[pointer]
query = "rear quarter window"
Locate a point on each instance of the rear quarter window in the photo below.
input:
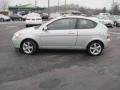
(86, 24)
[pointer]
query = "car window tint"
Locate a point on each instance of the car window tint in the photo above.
(86, 24)
(62, 24)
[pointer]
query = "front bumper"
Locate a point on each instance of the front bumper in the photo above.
(16, 42)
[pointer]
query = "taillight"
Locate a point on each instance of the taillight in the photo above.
(108, 35)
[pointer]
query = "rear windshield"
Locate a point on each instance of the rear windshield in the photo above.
(33, 15)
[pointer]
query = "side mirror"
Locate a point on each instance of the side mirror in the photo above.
(45, 28)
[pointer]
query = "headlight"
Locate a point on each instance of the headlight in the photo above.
(17, 35)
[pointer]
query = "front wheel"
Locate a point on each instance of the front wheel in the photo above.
(29, 47)
(95, 48)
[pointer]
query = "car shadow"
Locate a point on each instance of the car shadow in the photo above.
(55, 51)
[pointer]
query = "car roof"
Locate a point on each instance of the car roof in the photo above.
(76, 16)
(33, 14)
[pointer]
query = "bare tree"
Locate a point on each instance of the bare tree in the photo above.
(3, 4)
(115, 9)
(104, 10)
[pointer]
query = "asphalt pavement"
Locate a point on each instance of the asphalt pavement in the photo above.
(57, 69)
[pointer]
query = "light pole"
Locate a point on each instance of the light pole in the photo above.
(48, 7)
(113, 7)
(113, 2)
(58, 6)
(65, 5)
(35, 3)
(35, 6)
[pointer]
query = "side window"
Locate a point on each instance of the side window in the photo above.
(86, 24)
(63, 24)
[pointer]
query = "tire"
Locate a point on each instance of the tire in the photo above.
(95, 48)
(115, 23)
(27, 25)
(1, 20)
(112, 26)
(29, 47)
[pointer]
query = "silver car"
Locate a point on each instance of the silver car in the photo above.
(66, 32)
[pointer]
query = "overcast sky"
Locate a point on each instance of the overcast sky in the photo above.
(85, 3)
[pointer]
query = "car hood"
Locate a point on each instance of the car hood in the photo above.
(29, 31)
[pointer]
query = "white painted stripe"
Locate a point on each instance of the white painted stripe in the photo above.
(118, 37)
(115, 33)
(11, 26)
(12, 22)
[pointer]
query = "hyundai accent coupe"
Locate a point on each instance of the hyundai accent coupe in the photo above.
(65, 32)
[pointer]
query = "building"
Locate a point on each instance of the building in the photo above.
(25, 9)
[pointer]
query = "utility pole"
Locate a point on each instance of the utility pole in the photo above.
(48, 7)
(113, 7)
(65, 6)
(35, 3)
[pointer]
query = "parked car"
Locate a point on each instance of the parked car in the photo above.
(45, 16)
(54, 15)
(72, 12)
(4, 18)
(70, 32)
(116, 20)
(16, 17)
(24, 17)
(106, 20)
(33, 19)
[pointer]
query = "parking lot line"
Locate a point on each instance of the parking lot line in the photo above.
(118, 37)
(11, 22)
(115, 33)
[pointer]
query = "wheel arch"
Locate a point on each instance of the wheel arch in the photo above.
(96, 41)
(31, 40)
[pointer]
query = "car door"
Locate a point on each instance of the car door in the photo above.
(60, 34)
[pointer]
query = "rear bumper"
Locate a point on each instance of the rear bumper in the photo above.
(106, 43)
(33, 22)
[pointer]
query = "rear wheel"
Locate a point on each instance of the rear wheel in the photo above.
(29, 47)
(95, 48)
